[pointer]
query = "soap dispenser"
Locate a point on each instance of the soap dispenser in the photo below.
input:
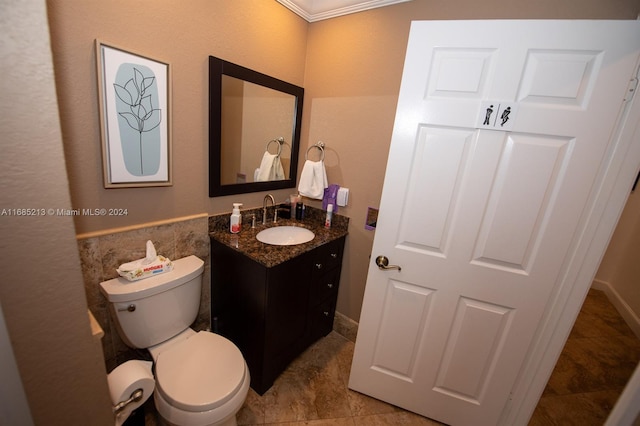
(235, 223)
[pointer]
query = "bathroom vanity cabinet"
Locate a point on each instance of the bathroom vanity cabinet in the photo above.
(273, 313)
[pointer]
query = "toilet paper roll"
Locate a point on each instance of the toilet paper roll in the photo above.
(124, 380)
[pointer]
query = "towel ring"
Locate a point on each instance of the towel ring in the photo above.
(320, 146)
(279, 141)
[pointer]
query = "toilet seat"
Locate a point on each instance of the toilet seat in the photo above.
(201, 373)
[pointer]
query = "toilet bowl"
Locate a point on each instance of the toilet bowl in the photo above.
(202, 380)
(201, 377)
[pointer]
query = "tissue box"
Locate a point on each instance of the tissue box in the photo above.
(159, 266)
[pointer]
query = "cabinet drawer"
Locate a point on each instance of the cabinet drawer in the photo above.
(328, 256)
(326, 285)
(322, 319)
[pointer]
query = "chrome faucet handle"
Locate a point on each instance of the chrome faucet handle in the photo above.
(253, 221)
(264, 207)
(275, 215)
(268, 197)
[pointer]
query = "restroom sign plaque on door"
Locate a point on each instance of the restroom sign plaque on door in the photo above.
(497, 115)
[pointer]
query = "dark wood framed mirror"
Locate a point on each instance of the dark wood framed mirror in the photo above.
(254, 130)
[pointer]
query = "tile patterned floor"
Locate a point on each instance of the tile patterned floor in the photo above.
(599, 357)
(313, 391)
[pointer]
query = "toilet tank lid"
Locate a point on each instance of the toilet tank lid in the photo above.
(121, 290)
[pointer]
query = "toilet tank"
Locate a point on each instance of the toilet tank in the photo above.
(154, 309)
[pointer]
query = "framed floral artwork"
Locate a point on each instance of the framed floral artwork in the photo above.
(134, 93)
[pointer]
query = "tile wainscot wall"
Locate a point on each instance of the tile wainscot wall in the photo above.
(102, 252)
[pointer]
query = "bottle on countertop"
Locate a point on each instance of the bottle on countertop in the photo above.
(327, 221)
(235, 223)
(299, 210)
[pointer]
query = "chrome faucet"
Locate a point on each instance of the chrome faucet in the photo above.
(264, 207)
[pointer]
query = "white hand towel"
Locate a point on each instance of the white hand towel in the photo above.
(270, 168)
(265, 167)
(277, 170)
(313, 180)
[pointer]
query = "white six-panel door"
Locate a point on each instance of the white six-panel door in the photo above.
(500, 137)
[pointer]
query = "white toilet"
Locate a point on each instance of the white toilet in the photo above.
(201, 377)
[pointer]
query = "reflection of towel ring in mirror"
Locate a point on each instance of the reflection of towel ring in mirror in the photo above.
(279, 141)
(320, 146)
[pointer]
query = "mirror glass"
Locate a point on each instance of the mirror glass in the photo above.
(254, 130)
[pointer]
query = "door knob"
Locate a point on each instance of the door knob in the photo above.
(383, 264)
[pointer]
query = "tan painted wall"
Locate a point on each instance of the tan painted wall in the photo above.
(353, 73)
(42, 293)
(258, 34)
(350, 67)
(353, 68)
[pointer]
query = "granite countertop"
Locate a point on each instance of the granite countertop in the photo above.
(269, 255)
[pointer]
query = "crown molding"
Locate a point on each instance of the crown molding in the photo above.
(311, 11)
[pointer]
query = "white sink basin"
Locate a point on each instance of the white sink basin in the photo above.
(285, 235)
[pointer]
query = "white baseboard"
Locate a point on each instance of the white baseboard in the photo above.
(621, 306)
